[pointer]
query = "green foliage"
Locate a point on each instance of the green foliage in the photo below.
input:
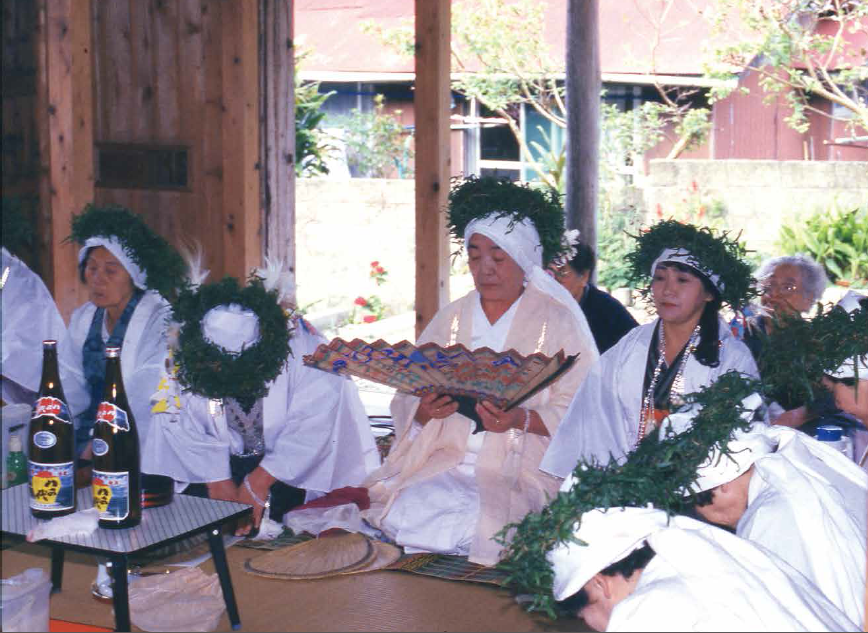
(835, 238)
(697, 206)
(799, 352)
(551, 164)
(376, 143)
(614, 242)
(163, 265)
(715, 250)
(658, 472)
(474, 197)
(310, 144)
(207, 369)
(18, 217)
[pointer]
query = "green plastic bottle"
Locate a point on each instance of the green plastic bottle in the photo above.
(16, 463)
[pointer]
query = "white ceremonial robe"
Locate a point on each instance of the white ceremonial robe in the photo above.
(808, 504)
(316, 433)
(706, 579)
(29, 316)
(603, 418)
(142, 353)
(432, 465)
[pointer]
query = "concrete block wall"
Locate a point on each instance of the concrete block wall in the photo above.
(760, 195)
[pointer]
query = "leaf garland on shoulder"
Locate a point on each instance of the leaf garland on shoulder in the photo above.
(656, 472)
(475, 197)
(207, 369)
(164, 266)
(798, 353)
(716, 251)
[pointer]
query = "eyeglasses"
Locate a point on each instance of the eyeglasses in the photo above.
(772, 287)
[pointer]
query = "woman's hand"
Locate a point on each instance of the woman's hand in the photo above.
(497, 420)
(793, 418)
(224, 489)
(254, 491)
(436, 406)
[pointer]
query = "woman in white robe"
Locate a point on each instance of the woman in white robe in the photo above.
(444, 488)
(29, 316)
(653, 366)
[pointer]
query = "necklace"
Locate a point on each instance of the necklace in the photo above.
(677, 383)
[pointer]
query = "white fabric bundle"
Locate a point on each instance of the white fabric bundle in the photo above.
(231, 327)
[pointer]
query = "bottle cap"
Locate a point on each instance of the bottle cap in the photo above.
(829, 433)
(112, 352)
(14, 443)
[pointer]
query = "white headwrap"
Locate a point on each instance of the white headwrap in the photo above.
(231, 327)
(611, 535)
(745, 447)
(850, 302)
(521, 241)
(683, 256)
(113, 245)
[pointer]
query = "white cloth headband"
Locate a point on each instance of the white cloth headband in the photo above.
(745, 447)
(682, 256)
(521, 242)
(611, 535)
(231, 327)
(114, 246)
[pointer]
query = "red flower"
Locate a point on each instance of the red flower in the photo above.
(380, 270)
(374, 264)
(370, 318)
(701, 211)
(659, 211)
(693, 185)
(361, 301)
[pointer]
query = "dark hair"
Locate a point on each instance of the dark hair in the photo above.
(708, 350)
(584, 259)
(83, 264)
(704, 498)
(626, 567)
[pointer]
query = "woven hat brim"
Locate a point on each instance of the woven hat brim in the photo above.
(317, 558)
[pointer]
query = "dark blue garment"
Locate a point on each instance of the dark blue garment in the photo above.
(93, 361)
(609, 320)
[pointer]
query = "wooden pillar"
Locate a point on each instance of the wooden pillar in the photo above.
(583, 117)
(431, 105)
(278, 129)
(64, 110)
(242, 220)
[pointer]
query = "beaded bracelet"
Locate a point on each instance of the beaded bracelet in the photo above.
(265, 504)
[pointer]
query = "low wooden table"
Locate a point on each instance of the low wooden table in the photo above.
(184, 517)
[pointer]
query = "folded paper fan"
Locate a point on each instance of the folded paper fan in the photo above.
(505, 378)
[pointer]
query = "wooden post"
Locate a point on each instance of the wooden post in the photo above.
(242, 221)
(431, 104)
(65, 121)
(583, 117)
(278, 129)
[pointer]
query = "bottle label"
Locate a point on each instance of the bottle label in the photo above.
(52, 486)
(44, 439)
(111, 494)
(112, 415)
(100, 447)
(54, 407)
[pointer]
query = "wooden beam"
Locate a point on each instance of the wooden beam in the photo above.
(65, 122)
(431, 105)
(277, 87)
(242, 222)
(583, 117)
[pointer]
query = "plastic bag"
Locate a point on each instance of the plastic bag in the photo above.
(185, 600)
(25, 601)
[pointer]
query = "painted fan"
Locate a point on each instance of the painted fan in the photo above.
(505, 378)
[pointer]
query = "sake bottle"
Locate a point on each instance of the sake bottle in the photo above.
(117, 478)
(51, 445)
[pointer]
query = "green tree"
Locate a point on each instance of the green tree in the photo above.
(311, 144)
(377, 144)
(802, 49)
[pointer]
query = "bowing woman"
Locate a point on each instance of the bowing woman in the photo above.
(127, 270)
(639, 380)
(444, 487)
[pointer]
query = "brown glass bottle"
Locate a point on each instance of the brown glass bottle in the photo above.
(117, 475)
(51, 445)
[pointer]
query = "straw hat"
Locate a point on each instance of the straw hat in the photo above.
(317, 558)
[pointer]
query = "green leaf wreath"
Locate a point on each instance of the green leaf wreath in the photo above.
(656, 472)
(475, 197)
(163, 265)
(207, 369)
(716, 251)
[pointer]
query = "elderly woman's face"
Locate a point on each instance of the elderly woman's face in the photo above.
(495, 274)
(783, 292)
(109, 285)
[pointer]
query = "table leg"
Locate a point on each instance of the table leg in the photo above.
(219, 554)
(56, 568)
(120, 591)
